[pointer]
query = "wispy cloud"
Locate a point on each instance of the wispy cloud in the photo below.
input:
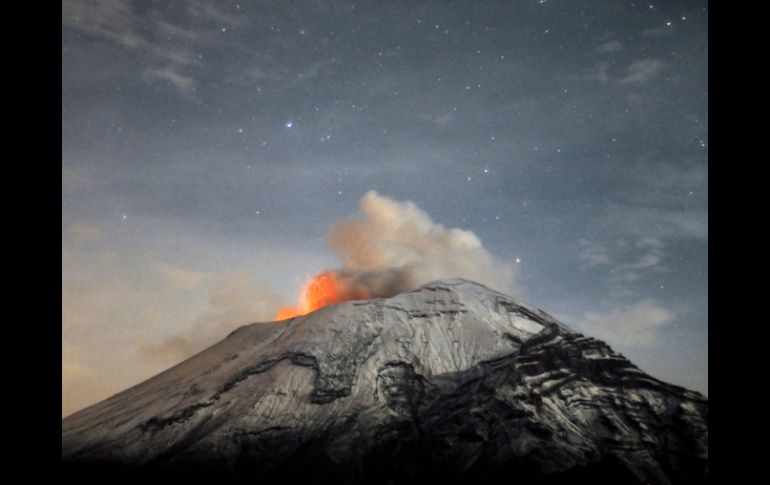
(178, 277)
(113, 20)
(599, 73)
(207, 11)
(440, 119)
(73, 370)
(641, 71)
(643, 258)
(658, 32)
(625, 263)
(610, 47)
(314, 69)
(659, 222)
(74, 178)
(234, 300)
(636, 73)
(636, 324)
(171, 47)
(116, 306)
(172, 76)
(669, 202)
(630, 249)
(263, 70)
(592, 255)
(81, 233)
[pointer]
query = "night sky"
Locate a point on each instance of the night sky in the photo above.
(207, 147)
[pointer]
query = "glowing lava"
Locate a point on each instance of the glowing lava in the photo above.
(324, 289)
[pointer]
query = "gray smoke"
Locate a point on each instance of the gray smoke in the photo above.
(395, 247)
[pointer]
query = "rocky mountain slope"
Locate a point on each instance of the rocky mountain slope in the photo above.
(452, 381)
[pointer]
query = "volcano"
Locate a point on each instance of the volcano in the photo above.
(452, 382)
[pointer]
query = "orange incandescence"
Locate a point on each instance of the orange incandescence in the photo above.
(324, 289)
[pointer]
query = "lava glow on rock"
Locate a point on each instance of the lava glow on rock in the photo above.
(324, 289)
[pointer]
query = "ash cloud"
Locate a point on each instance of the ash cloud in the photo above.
(395, 247)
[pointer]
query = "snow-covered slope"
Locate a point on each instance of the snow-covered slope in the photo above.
(447, 380)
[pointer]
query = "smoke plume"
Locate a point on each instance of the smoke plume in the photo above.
(395, 247)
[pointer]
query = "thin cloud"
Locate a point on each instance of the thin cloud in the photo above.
(210, 12)
(82, 233)
(636, 324)
(75, 178)
(641, 71)
(233, 301)
(172, 76)
(592, 255)
(667, 203)
(171, 46)
(178, 277)
(662, 223)
(657, 32)
(441, 119)
(610, 47)
(170, 30)
(115, 307)
(109, 20)
(72, 369)
(625, 263)
(601, 73)
(638, 72)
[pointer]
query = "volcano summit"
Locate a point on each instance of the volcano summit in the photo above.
(452, 382)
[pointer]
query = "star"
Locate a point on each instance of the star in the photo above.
(289, 124)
